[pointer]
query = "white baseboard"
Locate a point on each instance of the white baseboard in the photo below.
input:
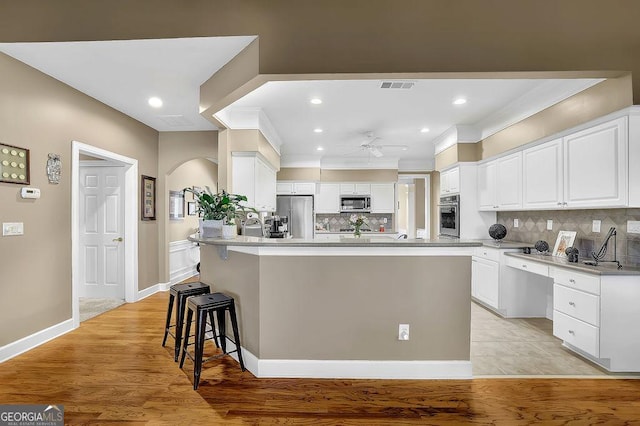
(352, 369)
(26, 343)
(153, 290)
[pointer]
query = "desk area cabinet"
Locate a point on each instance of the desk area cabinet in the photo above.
(595, 310)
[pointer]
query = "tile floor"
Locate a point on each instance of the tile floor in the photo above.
(502, 346)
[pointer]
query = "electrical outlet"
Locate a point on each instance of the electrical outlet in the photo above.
(633, 227)
(516, 223)
(550, 225)
(403, 332)
(595, 226)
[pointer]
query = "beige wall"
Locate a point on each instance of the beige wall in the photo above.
(606, 97)
(299, 174)
(44, 115)
(199, 172)
(382, 175)
(175, 149)
(420, 200)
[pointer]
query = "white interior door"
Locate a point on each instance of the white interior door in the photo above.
(101, 232)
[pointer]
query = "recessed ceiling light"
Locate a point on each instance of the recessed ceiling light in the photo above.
(460, 101)
(318, 130)
(319, 148)
(424, 130)
(155, 102)
(316, 101)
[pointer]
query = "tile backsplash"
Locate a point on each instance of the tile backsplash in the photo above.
(335, 222)
(533, 227)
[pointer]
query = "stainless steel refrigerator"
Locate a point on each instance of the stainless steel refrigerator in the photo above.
(299, 210)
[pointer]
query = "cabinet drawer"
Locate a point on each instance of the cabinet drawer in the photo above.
(525, 265)
(487, 253)
(577, 280)
(577, 333)
(578, 304)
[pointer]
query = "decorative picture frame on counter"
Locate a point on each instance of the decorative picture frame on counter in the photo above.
(14, 164)
(148, 199)
(565, 239)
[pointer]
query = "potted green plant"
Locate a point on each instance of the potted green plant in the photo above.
(218, 212)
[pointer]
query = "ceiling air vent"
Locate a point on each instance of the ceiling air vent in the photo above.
(397, 85)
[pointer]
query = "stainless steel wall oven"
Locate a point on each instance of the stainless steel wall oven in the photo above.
(449, 212)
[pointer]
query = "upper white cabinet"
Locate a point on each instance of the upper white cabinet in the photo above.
(383, 198)
(595, 166)
(582, 170)
(327, 200)
(355, 189)
(500, 183)
(542, 179)
(256, 179)
(450, 181)
(296, 188)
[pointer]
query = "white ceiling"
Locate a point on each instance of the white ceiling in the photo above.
(124, 74)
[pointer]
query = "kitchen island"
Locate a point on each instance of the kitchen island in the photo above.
(332, 308)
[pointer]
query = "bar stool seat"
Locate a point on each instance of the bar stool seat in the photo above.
(181, 292)
(203, 306)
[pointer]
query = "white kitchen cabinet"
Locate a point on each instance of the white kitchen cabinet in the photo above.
(254, 178)
(295, 188)
(450, 181)
(595, 166)
(383, 198)
(355, 189)
(509, 292)
(500, 183)
(327, 199)
(542, 176)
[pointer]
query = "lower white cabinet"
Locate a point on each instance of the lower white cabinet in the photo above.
(507, 291)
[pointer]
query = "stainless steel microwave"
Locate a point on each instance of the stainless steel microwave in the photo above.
(355, 204)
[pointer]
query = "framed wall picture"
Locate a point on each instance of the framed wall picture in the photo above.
(192, 208)
(565, 239)
(176, 205)
(148, 201)
(14, 164)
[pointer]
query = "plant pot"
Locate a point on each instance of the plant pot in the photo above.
(229, 231)
(210, 228)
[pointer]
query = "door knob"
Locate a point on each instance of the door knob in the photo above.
(119, 240)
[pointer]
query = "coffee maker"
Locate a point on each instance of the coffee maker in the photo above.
(279, 227)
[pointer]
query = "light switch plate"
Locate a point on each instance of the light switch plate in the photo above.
(12, 228)
(595, 227)
(633, 227)
(516, 223)
(550, 225)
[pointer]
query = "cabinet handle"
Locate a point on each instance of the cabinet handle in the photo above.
(559, 203)
(571, 280)
(524, 266)
(565, 203)
(572, 304)
(572, 332)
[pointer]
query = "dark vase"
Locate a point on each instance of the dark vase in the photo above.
(497, 231)
(542, 246)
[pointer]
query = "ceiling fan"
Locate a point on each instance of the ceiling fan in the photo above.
(376, 149)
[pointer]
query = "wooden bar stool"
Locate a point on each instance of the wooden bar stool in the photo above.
(181, 292)
(204, 306)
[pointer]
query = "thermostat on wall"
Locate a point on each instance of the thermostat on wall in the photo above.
(30, 193)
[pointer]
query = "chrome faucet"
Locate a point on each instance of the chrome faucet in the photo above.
(402, 237)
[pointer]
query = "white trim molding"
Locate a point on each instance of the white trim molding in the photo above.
(184, 256)
(25, 344)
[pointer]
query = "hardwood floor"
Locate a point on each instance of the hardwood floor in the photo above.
(113, 369)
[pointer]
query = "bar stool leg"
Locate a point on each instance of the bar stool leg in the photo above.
(168, 323)
(181, 307)
(213, 329)
(236, 334)
(222, 329)
(186, 336)
(201, 322)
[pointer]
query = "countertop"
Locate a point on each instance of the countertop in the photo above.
(317, 231)
(342, 242)
(505, 244)
(606, 268)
